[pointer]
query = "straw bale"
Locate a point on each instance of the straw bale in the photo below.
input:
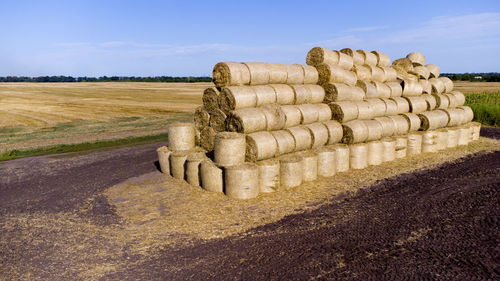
(402, 126)
(402, 104)
(388, 125)
(390, 74)
(401, 146)
(468, 114)
(163, 159)
(431, 101)
(309, 113)
(326, 162)
(344, 111)
(295, 74)
(357, 58)
(260, 146)
(201, 117)
(414, 143)
(377, 107)
(293, 115)
(269, 175)
(324, 112)
(181, 136)
(230, 74)
(382, 59)
(309, 166)
(421, 72)
(277, 73)
(242, 181)
(377, 73)
(456, 116)
(391, 108)
(302, 94)
(229, 149)
(192, 166)
(329, 73)
(246, 120)
(265, 94)
(319, 133)
(178, 161)
(368, 88)
(310, 74)
(354, 132)
(362, 72)
(442, 101)
(437, 86)
(284, 141)
(476, 126)
(302, 136)
(317, 93)
(236, 97)
(375, 153)
(463, 135)
(448, 84)
(402, 65)
(453, 100)
(383, 90)
(290, 171)
(411, 88)
(345, 61)
(453, 135)
(259, 73)
(459, 97)
(365, 110)
(207, 136)
(374, 130)
(358, 156)
(369, 58)
(434, 70)
(413, 121)
(284, 93)
(417, 104)
(319, 55)
(210, 99)
(442, 139)
(343, 92)
(416, 58)
(389, 149)
(334, 131)
(275, 117)
(218, 120)
(431, 120)
(211, 176)
(426, 86)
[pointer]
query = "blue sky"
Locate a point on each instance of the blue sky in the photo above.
(186, 38)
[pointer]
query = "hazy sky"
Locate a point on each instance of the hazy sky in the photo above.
(183, 38)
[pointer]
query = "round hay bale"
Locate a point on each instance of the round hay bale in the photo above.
(269, 175)
(290, 171)
(402, 126)
(455, 116)
(468, 114)
(476, 127)
(402, 104)
(284, 93)
(181, 136)
(310, 74)
(236, 97)
(390, 74)
(413, 121)
(207, 138)
(295, 74)
(416, 58)
(326, 162)
(229, 149)
(302, 136)
(230, 74)
(417, 104)
(357, 58)
(317, 93)
(319, 134)
(377, 73)
(259, 73)
(368, 88)
(260, 146)
(382, 59)
(421, 72)
(437, 86)
(442, 139)
(242, 181)
(431, 120)
(163, 159)
(401, 146)
(193, 162)
(277, 73)
(341, 157)
(442, 101)
(319, 55)
(377, 107)
(365, 110)
(210, 99)
(284, 141)
(389, 149)
(463, 136)
(342, 92)
(396, 89)
(384, 91)
(459, 96)
(453, 135)
(434, 70)
(429, 141)
(358, 156)
(448, 84)
(426, 86)
(201, 117)
(344, 111)
(375, 153)
(218, 120)
(431, 101)
(354, 131)
(345, 61)
(275, 117)
(178, 161)
(246, 120)
(402, 66)
(411, 88)
(293, 116)
(374, 130)
(302, 94)
(324, 112)
(414, 143)
(391, 108)
(265, 94)
(334, 131)
(309, 166)
(211, 176)
(309, 113)
(453, 101)
(362, 72)
(388, 125)
(369, 58)
(329, 73)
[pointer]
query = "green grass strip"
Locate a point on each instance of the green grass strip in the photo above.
(63, 148)
(486, 107)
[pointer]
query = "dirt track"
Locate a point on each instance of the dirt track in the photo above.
(435, 224)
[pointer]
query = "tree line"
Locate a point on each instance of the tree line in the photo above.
(474, 77)
(62, 78)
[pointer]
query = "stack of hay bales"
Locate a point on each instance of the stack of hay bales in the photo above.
(266, 127)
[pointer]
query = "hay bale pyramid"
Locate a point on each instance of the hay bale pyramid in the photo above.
(267, 127)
